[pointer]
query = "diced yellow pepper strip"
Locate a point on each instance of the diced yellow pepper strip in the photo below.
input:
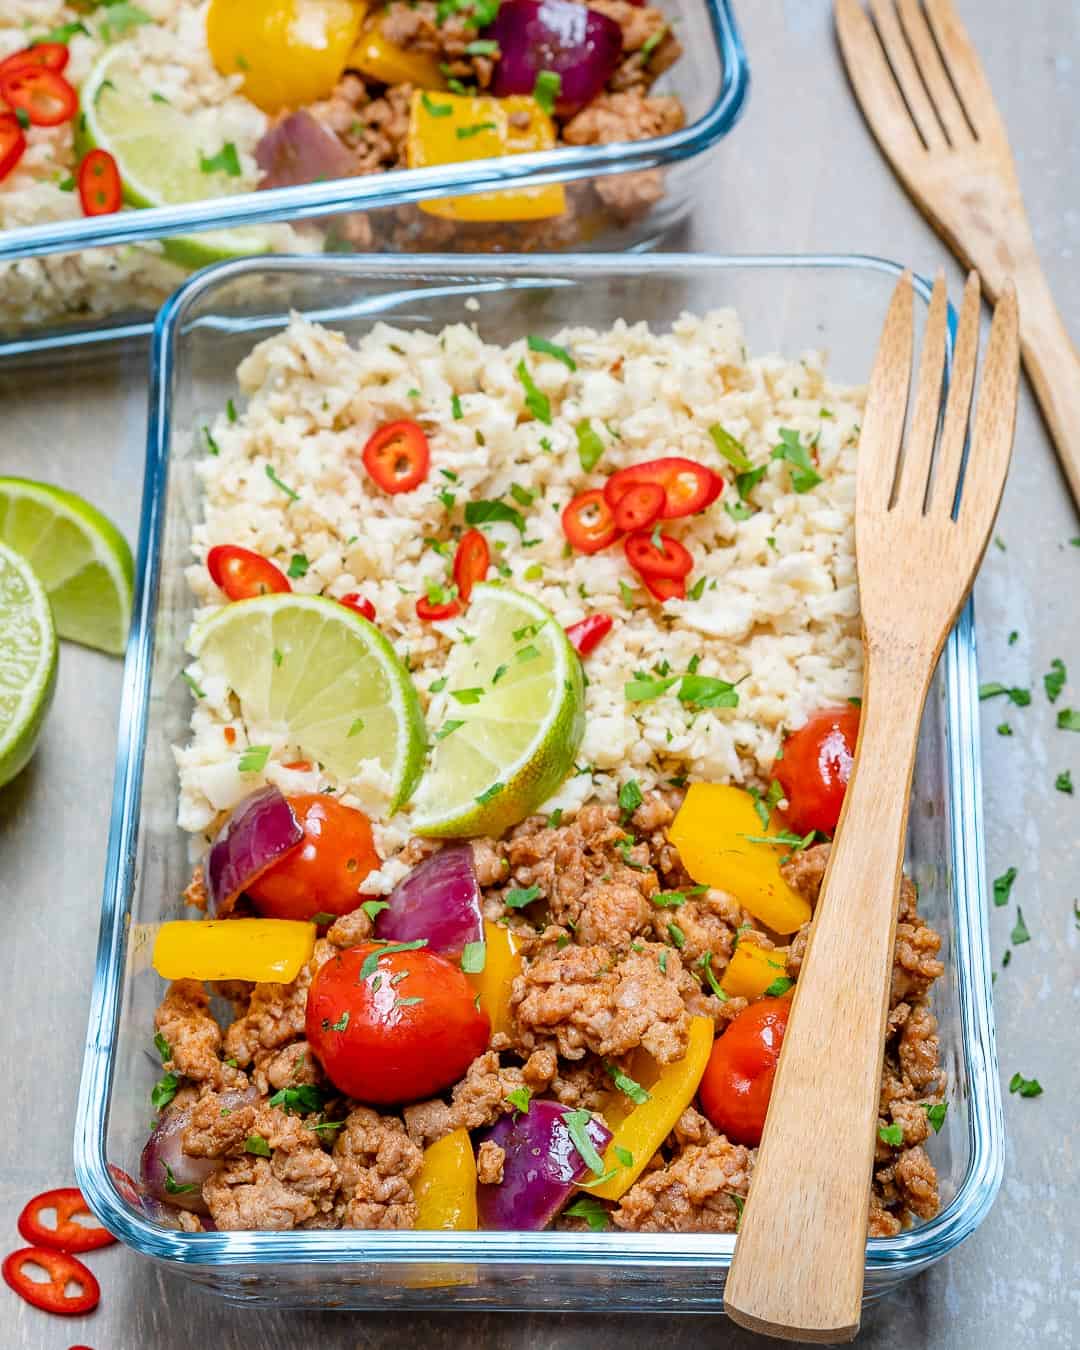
(388, 63)
(501, 963)
(445, 1190)
(753, 970)
(268, 951)
(711, 833)
(642, 1131)
(452, 128)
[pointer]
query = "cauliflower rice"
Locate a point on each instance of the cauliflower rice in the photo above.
(775, 606)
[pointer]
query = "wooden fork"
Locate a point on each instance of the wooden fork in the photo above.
(922, 89)
(798, 1266)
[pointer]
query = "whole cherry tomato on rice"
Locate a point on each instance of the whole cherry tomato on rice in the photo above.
(320, 875)
(738, 1078)
(394, 1022)
(242, 574)
(815, 768)
(688, 486)
(665, 557)
(42, 94)
(397, 456)
(12, 143)
(639, 506)
(471, 563)
(100, 190)
(359, 604)
(587, 634)
(589, 522)
(50, 55)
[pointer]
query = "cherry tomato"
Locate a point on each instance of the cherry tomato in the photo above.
(587, 634)
(242, 574)
(668, 559)
(738, 1078)
(65, 1234)
(815, 768)
(666, 588)
(100, 190)
(688, 486)
(321, 874)
(471, 563)
(431, 611)
(12, 143)
(50, 55)
(51, 1295)
(398, 456)
(360, 604)
(390, 1024)
(639, 506)
(589, 523)
(43, 94)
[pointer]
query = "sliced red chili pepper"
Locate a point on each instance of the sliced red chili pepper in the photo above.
(666, 588)
(471, 563)
(12, 143)
(639, 506)
(588, 522)
(65, 1235)
(398, 456)
(587, 634)
(300, 765)
(51, 1295)
(360, 604)
(242, 574)
(664, 558)
(50, 55)
(100, 189)
(688, 486)
(431, 612)
(43, 94)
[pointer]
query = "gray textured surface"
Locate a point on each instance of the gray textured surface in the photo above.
(800, 173)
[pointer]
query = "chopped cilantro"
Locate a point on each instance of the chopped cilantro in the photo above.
(163, 1091)
(519, 1099)
(518, 898)
(490, 512)
(303, 1100)
(698, 588)
(193, 684)
(299, 565)
(1020, 697)
(630, 798)
(226, 161)
(1014, 637)
(1019, 934)
(590, 447)
(434, 109)
(489, 794)
(1068, 719)
(732, 450)
(577, 1123)
(482, 47)
(779, 986)
(174, 1187)
(372, 908)
(371, 961)
(455, 408)
(643, 688)
(161, 1045)
(521, 495)
(803, 474)
(356, 728)
(546, 348)
(448, 728)
(1027, 1087)
(555, 819)
(1063, 782)
(340, 1025)
(1054, 679)
(1004, 729)
(677, 936)
(253, 759)
(292, 496)
(652, 42)
(230, 410)
(706, 692)
(626, 1084)
(1003, 886)
(935, 1114)
(705, 962)
(464, 133)
(474, 957)
(547, 89)
(211, 444)
(590, 1209)
(256, 1144)
(892, 1135)
(536, 402)
(473, 695)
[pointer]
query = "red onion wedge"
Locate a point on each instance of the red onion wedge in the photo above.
(580, 45)
(542, 1165)
(299, 149)
(167, 1172)
(260, 831)
(438, 900)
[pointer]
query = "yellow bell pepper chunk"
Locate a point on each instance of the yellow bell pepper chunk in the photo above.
(452, 128)
(388, 63)
(642, 1130)
(502, 962)
(268, 951)
(713, 833)
(753, 970)
(445, 1190)
(289, 52)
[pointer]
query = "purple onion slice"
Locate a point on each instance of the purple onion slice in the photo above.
(580, 45)
(438, 900)
(260, 831)
(299, 149)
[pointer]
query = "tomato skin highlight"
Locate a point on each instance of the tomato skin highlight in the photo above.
(359, 604)
(471, 563)
(388, 1048)
(100, 190)
(688, 486)
(242, 574)
(49, 1295)
(397, 456)
(321, 874)
(671, 561)
(589, 522)
(12, 143)
(639, 506)
(43, 94)
(587, 634)
(815, 768)
(738, 1079)
(43, 55)
(67, 1235)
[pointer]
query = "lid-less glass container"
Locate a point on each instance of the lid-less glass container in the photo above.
(787, 305)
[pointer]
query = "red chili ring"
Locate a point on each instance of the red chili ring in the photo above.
(471, 563)
(51, 1295)
(431, 613)
(587, 634)
(639, 506)
(589, 523)
(359, 604)
(66, 1235)
(397, 456)
(667, 558)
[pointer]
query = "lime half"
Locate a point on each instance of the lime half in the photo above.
(161, 153)
(311, 670)
(28, 655)
(80, 557)
(513, 719)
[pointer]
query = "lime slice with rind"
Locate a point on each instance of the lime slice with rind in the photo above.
(322, 678)
(160, 152)
(28, 660)
(515, 688)
(79, 556)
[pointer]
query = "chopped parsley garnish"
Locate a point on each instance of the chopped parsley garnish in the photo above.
(489, 794)
(590, 447)
(590, 1209)
(464, 133)
(536, 401)
(225, 161)
(1063, 782)
(304, 1100)
(677, 936)
(519, 1099)
(163, 1091)
(779, 986)
(519, 898)
(626, 1084)
(292, 496)
(1068, 719)
(935, 1114)
(542, 345)
(1003, 886)
(161, 1045)
(732, 450)
(1021, 697)
(490, 512)
(547, 89)
(1027, 1087)
(299, 565)
(254, 758)
(803, 474)
(892, 1135)
(1054, 679)
(474, 957)
(473, 695)
(434, 109)
(630, 798)
(340, 1025)
(372, 908)
(448, 728)
(256, 1144)
(1019, 934)
(193, 684)
(371, 961)
(174, 1187)
(577, 1123)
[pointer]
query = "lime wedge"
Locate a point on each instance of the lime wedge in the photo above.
(80, 557)
(514, 686)
(28, 654)
(160, 152)
(311, 670)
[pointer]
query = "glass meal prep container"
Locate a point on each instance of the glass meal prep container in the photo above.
(788, 304)
(53, 292)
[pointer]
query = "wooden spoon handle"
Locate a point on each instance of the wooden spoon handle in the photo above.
(1053, 364)
(799, 1260)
